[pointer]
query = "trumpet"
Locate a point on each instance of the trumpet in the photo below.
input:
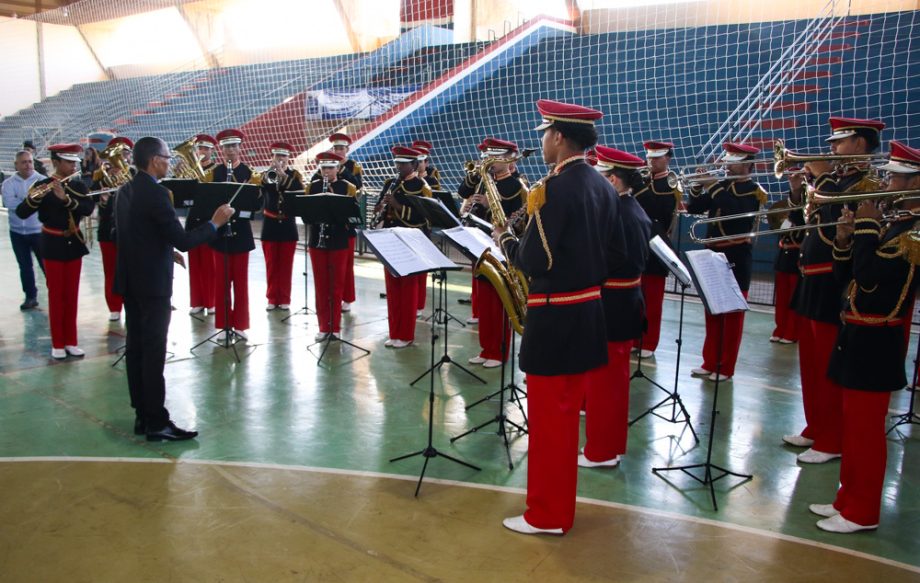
(37, 193)
(674, 181)
(783, 158)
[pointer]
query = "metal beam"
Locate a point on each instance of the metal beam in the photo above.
(105, 70)
(210, 57)
(40, 47)
(349, 29)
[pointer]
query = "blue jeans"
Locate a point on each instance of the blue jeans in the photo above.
(23, 247)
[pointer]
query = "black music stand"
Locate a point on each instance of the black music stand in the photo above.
(330, 209)
(183, 198)
(910, 417)
(288, 209)
(440, 215)
(245, 199)
(721, 295)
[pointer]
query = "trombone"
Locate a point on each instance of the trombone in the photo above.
(783, 158)
(695, 179)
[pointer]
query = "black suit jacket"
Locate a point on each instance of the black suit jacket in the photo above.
(148, 230)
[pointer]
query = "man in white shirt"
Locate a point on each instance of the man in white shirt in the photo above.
(24, 233)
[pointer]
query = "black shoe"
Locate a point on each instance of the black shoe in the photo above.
(29, 304)
(140, 428)
(171, 433)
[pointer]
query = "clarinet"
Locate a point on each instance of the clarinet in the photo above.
(321, 243)
(381, 215)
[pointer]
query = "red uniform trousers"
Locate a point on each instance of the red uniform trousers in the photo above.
(402, 302)
(279, 268)
(329, 276)
(786, 319)
(821, 397)
(491, 322)
(237, 270)
(422, 291)
(653, 292)
(865, 453)
(553, 404)
(731, 341)
(607, 406)
(348, 295)
(201, 277)
(63, 281)
(109, 250)
(474, 299)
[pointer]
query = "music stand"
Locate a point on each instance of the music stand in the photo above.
(183, 198)
(245, 199)
(721, 295)
(331, 209)
(910, 417)
(288, 209)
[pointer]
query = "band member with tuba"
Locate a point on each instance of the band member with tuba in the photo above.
(817, 297)
(350, 171)
(735, 194)
(61, 202)
(564, 346)
(279, 231)
(873, 256)
(329, 248)
(660, 197)
(402, 292)
(201, 275)
(607, 401)
(786, 266)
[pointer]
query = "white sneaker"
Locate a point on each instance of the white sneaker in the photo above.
(798, 440)
(74, 351)
(586, 463)
(241, 334)
(476, 360)
(786, 341)
(114, 316)
(813, 456)
(346, 307)
(825, 510)
(491, 363)
(389, 343)
(270, 307)
(284, 307)
(774, 338)
(518, 524)
(401, 343)
(320, 336)
(721, 377)
(472, 320)
(418, 313)
(58, 353)
(837, 523)
(646, 353)
(700, 372)
(196, 310)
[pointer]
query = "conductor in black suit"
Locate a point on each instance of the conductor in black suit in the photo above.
(148, 231)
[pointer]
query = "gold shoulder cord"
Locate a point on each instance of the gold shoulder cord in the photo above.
(549, 254)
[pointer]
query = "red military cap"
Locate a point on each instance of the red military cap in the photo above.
(424, 147)
(610, 158)
(340, 139)
(496, 147)
(282, 148)
(553, 111)
(735, 152)
(69, 152)
(205, 140)
(844, 127)
(655, 149)
(229, 137)
(404, 154)
(121, 140)
(902, 159)
(591, 157)
(329, 159)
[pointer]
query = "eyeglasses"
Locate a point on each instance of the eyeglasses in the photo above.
(167, 158)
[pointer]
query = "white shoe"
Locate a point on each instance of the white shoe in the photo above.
(476, 360)
(786, 341)
(389, 343)
(838, 523)
(774, 338)
(586, 463)
(114, 316)
(58, 353)
(721, 377)
(491, 363)
(320, 336)
(284, 307)
(700, 372)
(518, 524)
(418, 313)
(270, 307)
(825, 510)
(74, 351)
(472, 320)
(241, 334)
(798, 440)
(346, 307)
(401, 343)
(196, 310)
(210, 311)
(646, 353)
(813, 456)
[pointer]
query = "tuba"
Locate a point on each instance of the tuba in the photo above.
(188, 165)
(115, 171)
(509, 282)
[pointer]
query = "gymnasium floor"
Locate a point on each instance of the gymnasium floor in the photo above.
(290, 479)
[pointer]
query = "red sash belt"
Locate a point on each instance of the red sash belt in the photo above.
(622, 283)
(817, 269)
(56, 232)
(565, 298)
(273, 215)
(872, 320)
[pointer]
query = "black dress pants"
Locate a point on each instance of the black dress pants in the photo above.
(147, 322)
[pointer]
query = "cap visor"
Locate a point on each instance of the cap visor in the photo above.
(839, 136)
(734, 158)
(899, 168)
(543, 126)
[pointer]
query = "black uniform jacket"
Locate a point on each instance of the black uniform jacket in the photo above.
(787, 259)
(333, 236)
(276, 226)
(659, 202)
(61, 238)
(402, 189)
(148, 231)
(730, 197)
(105, 232)
(349, 170)
(624, 305)
(511, 189)
(235, 236)
(567, 248)
(870, 349)
(818, 295)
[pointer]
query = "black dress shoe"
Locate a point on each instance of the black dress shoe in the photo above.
(170, 433)
(140, 428)
(29, 304)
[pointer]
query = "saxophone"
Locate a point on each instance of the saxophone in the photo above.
(509, 282)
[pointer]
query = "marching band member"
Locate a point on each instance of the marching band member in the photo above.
(350, 171)
(735, 194)
(61, 202)
(426, 171)
(870, 254)
(402, 292)
(279, 231)
(201, 275)
(105, 234)
(607, 400)
(329, 248)
(817, 297)
(565, 343)
(786, 266)
(660, 201)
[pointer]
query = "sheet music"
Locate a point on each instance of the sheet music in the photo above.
(670, 259)
(398, 255)
(424, 248)
(474, 241)
(716, 282)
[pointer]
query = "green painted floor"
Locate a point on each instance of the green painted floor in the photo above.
(278, 406)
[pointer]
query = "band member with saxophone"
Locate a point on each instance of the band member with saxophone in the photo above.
(349, 171)
(564, 346)
(660, 198)
(607, 401)
(735, 194)
(201, 276)
(279, 231)
(872, 255)
(786, 267)
(329, 248)
(817, 297)
(61, 202)
(402, 292)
